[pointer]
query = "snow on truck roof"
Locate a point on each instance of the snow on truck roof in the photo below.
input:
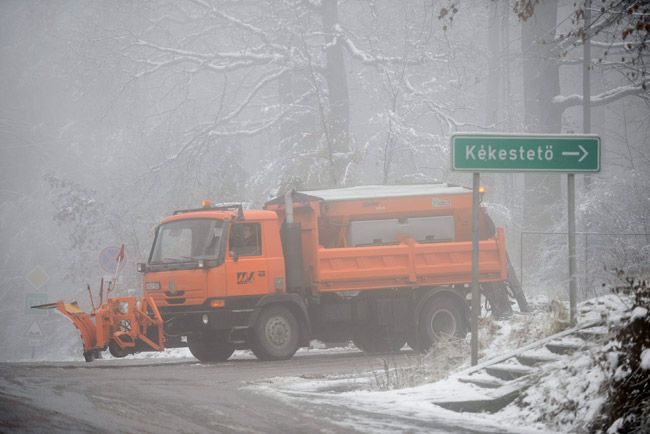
(384, 191)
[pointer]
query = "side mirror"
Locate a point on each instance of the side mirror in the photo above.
(234, 256)
(141, 267)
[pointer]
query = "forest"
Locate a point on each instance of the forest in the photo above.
(114, 114)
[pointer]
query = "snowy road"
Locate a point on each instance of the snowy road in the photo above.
(167, 395)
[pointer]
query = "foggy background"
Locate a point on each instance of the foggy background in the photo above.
(113, 114)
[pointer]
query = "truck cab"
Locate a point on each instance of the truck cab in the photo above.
(211, 271)
(202, 256)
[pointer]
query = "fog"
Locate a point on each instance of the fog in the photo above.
(114, 114)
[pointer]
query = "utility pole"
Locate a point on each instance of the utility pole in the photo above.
(586, 126)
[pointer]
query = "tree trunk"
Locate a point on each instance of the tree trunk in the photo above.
(541, 84)
(586, 81)
(493, 90)
(494, 56)
(338, 122)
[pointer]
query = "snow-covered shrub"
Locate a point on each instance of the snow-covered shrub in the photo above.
(447, 355)
(565, 398)
(627, 358)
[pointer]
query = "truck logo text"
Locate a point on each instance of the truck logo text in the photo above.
(244, 278)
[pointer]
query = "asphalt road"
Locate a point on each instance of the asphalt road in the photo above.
(185, 396)
(164, 395)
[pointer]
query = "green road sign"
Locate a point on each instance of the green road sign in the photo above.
(525, 153)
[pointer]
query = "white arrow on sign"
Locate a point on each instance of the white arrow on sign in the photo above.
(576, 153)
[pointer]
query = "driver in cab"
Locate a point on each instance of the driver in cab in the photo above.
(245, 240)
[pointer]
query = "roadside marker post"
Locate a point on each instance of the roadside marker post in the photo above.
(502, 152)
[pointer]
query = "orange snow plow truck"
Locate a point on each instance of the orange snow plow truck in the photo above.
(381, 265)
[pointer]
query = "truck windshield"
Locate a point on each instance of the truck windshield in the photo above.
(187, 241)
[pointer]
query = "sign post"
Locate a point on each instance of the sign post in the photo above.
(571, 217)
(564, 153)
(476, 292)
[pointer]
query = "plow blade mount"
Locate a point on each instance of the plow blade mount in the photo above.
(123, 325)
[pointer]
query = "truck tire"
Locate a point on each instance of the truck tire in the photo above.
(210, 347)
(374, 340)
(91, 355)
(441, 316)
(116, 351)
(276, 335)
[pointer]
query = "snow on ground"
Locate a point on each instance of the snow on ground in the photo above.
(645, 359)
(316, 347)
(566, 395)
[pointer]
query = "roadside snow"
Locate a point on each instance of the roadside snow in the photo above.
(565, 396)
(645, 359)
(184, 353)
(639, 312)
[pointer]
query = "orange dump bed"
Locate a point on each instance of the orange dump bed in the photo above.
(368, 237)
(408, 264)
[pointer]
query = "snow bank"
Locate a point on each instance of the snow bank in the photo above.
(645, 359)
(566, 396)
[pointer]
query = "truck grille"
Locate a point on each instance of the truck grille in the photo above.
(179, 297)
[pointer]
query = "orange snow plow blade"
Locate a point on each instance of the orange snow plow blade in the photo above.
(123, 325)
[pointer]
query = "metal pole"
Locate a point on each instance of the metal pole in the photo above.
(585, 280)
(572, 245)
(476, 294)
(288, 206)
(587, 265)
(521, 259)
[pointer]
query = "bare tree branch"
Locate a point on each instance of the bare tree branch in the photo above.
(640, 90)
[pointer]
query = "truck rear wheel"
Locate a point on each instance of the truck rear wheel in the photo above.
(441, 317)
(276, 335)
(210, 347)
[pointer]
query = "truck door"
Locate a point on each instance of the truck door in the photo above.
(246, 262)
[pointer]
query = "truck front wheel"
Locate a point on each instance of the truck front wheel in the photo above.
(276, 335)
(116, 351)
(210, 347)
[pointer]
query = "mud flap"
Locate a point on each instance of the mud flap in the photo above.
(515, 287)
(496, 294)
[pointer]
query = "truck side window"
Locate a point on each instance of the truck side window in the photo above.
(246, 240)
